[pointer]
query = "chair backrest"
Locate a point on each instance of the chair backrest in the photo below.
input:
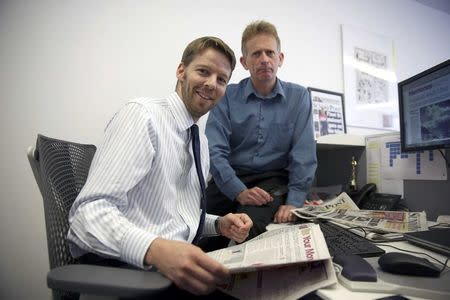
(60, 169)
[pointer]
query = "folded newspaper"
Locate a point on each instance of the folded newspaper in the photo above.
(284, 263)
(343, 210)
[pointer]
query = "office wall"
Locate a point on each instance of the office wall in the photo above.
(67, 66)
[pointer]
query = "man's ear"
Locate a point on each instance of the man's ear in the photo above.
(180, 72)
(243, 62)
(281, 59)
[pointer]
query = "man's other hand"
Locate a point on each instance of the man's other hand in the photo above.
(186, 265)
(235, 226)
(284, 215)
(254, 196)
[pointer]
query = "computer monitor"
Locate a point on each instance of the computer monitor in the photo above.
(424, 106)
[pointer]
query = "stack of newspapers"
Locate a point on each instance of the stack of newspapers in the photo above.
(285, 263)
(376, 225)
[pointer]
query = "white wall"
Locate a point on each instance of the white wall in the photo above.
(67, 66)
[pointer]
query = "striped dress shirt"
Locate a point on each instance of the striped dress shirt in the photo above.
(142, 184)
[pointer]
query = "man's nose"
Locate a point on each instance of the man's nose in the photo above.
(264, 58)
(211, 82)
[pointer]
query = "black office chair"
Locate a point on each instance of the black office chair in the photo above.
(60, 169)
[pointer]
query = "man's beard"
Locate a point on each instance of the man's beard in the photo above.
(188, 94)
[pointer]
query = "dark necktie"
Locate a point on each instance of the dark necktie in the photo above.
(198, 166)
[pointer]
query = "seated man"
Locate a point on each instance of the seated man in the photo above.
(143, 199)
(261, 139)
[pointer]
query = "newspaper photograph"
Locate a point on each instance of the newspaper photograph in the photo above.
(284, 263)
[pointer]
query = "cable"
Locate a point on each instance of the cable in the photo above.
(410, 251)
(444, 264)
(439, 225)
(445, 158)
(359, 228)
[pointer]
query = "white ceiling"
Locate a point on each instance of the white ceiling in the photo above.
(442, 5)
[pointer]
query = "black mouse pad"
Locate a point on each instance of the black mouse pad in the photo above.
(437, 240)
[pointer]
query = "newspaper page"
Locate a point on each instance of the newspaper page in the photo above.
(380, 220)
(342, 201)
(285, 263)
(282, 283)
(343, 210)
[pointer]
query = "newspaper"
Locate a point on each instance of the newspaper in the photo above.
(284, 263)
(342, 201)
(343, 210)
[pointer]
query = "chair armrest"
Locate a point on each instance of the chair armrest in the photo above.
(106, 281)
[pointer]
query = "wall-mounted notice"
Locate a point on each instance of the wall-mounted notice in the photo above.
(370, 82)
(387, 166)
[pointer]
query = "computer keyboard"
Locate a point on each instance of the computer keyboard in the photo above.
(340, 240)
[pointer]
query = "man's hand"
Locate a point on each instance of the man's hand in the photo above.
(235, 226)
(254, 196)
(284, 215)
(186, 265)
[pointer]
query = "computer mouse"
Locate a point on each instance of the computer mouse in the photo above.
(407, 264)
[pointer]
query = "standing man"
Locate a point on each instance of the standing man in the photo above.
(261, 138)
(142, 202)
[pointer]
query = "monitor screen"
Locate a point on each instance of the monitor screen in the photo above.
(424, 103)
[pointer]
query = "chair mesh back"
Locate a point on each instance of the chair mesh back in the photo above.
(64, 167)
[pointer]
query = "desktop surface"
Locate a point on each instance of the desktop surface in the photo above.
(412, 284)
(441, 283)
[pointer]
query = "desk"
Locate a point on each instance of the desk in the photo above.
(338, 291)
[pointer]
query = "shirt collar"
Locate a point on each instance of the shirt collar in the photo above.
(182, 117)
(277, 90)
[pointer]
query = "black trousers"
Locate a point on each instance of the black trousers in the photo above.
(219, 204)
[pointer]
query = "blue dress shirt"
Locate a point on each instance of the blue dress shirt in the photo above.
(251, 133)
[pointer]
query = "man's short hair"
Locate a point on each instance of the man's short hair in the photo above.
(259, 27)
(199, 45)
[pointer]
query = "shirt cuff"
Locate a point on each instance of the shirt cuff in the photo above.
(232, 188)
(135, 245)
(209, 228)
(296, 198)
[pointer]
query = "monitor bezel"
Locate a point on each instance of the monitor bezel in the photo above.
(404, 146)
